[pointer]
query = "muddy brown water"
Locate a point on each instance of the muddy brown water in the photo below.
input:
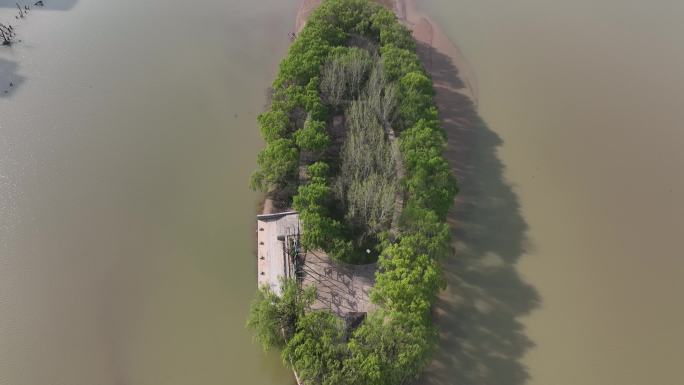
(126, 224)
(568, 230)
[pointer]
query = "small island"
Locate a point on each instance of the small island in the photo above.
(357, 192)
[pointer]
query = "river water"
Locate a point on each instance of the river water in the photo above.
(126, 227)
(126, 224)
(570, 224)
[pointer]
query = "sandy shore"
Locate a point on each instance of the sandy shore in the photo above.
(305, 9)
(456, 98)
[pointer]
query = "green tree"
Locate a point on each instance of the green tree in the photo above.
(264, 319)
(415, 93)
(344, 73)
(429, 180)
(304, 61)
(433, 185)
(346, 206)
(425, 232)
(273, 124)
(318, 171)
(389, 31)
(317, 349)
(273, 317)
(390, 348)
(348, 15)
(278, 163)
(409, 280)
(319, 230)
(311, 100)
(313, 136)
(312, 197)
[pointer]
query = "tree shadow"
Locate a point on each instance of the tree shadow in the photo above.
(8, 75)
(57, 5)
(481, 339)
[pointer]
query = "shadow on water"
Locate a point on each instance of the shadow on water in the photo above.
(481, 338)
(8, 75)
(57, 5)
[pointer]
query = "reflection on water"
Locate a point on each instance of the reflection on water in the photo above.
(566, 230)
(126, 224)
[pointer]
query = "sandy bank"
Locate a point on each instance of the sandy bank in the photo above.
(305, 9)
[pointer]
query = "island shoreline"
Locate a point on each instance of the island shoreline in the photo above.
(432, 41)
(425, 31)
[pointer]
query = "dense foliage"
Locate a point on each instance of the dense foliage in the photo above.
(273, 317)
(354, 58)
(366, 185)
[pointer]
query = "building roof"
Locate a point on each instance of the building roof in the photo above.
(272, 262)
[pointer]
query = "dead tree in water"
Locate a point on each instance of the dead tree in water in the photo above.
(21, 11)
(6, 34)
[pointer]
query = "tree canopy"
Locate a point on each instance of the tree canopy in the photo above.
(354, 62)
(277, 163)
(274, 317)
